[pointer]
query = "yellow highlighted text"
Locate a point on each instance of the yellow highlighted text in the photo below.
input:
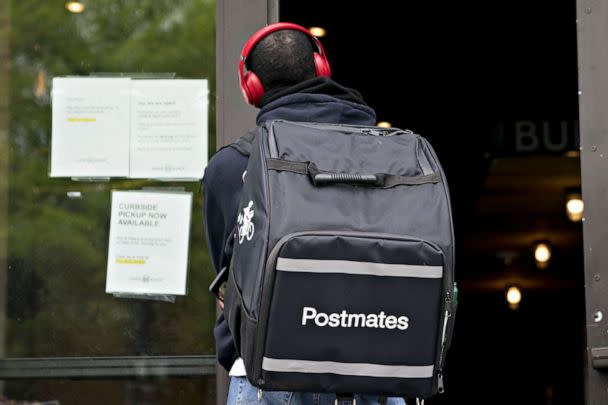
(130, 261)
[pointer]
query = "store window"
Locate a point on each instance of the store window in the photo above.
(54, 231)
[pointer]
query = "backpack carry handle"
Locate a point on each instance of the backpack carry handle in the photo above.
(324, 178)
(382, 180)
(321, 179)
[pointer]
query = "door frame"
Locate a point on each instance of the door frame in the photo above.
(592, 28)
(236, 20)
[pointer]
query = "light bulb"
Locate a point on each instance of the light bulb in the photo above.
(317, 31)
(542, 252)
(513, 295)
(74, 7)
(574, 208)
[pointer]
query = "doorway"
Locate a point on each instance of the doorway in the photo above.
(495, 92)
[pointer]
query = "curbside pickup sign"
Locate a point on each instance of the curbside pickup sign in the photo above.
(148, 248)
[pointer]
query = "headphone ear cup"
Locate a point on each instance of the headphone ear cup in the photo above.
(254, 88)
(245, 90)
(321, 66)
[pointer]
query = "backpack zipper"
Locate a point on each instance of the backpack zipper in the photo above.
(446, 318)
(368, 130)
(440, 388)
(374, 131)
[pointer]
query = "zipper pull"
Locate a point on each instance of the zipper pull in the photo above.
(260, 394)
(440, 388)
(374, 132)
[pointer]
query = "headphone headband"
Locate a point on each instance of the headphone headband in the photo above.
(269, 29)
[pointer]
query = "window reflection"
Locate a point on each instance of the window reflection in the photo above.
(52, 247)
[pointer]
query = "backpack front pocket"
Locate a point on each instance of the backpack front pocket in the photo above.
(352, 312)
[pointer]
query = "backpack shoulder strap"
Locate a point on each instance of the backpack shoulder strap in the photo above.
(244, 144)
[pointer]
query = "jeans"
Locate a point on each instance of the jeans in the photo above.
(243, 393)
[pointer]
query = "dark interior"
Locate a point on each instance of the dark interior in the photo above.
(469, 78)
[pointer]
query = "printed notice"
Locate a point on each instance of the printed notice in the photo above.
(148, 248)
(90, 127)
(121, 127)
(169, 129)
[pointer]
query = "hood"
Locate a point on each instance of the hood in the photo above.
(316, 100)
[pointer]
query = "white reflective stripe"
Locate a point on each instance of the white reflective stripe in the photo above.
(353, 267)
(356, 369)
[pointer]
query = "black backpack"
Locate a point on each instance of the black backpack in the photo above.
(342, 273)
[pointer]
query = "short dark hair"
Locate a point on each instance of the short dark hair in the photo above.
(283, 58)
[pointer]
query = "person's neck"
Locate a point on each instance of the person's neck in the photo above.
(317, 100)
(317, 85)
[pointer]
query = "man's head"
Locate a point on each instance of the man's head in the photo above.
(280, 55)
(283, 58)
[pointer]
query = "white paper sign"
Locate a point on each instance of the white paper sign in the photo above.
(148, 248)
(90, 127)
(118, 127)
(169, 128)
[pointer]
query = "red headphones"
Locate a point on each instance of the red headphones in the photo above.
(251, 85)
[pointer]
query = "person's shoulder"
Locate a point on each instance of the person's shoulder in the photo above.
(226, 165)
(225, 158)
